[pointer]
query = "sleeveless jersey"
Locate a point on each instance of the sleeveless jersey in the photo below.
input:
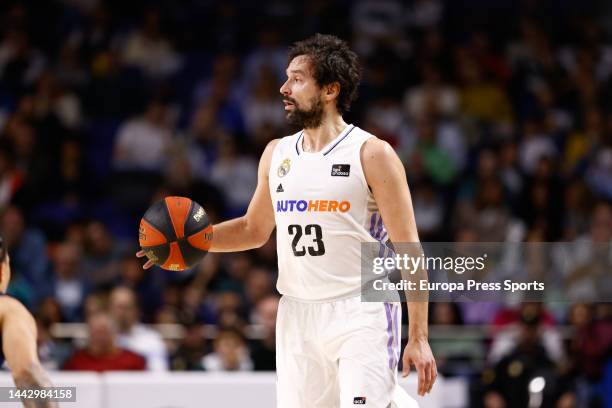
(324, 210)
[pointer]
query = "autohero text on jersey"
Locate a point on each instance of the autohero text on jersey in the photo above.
(313, 205)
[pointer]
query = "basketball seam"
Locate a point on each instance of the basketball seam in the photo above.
(174, 235)
(187, 219)
(178, 254)
(157, 228)
(205, 222)
(199, 229)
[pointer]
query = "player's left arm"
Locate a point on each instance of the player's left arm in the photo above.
(386, 177)
(19, 346)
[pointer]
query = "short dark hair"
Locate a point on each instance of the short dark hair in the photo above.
(332, 61)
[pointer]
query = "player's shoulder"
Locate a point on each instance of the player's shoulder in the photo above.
(9, 306)
(283, 141)
(273, 145)
(289, 140)
(375, 149)
(9, 302)
(282, 144)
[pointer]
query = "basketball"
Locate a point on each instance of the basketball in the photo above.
(175, 233)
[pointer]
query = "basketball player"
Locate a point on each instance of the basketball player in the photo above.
(327, 189)
(18, 336)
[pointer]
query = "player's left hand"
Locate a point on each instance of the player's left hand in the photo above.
(418, 354)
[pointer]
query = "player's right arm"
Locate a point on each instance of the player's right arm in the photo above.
(20, 351)
(253, 229)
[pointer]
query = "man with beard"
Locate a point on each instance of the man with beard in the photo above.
(327, 189)
(18, 340)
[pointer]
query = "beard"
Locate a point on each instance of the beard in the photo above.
(307, 119)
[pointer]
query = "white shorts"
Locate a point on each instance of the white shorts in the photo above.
(339, 354)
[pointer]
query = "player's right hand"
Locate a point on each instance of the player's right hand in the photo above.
(149, 263)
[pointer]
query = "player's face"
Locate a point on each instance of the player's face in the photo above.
(302, 95)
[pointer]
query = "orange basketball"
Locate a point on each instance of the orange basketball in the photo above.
(175, 233)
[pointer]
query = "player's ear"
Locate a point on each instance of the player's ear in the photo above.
(332, 91)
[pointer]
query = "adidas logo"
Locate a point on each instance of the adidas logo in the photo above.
(279, 189)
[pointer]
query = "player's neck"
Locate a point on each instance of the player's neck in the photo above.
(315, 139)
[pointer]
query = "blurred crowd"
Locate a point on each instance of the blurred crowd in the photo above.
(501, 112)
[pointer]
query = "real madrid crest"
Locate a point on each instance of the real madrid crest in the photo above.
(284, 168)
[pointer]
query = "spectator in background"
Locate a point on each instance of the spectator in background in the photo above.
(101, 258)
(577, 205)
(429, 211)
(431, 95)
(425, 13)
(230, 353)
(145, 284)
(534, 146)
(258, 285)
(486, 169)
(487, 213)
(261, 106)
(188, 356)
(49, 311)
(20, 63)
(97, 36)
(67, 190)
(73, 75)
(102, 352)
(219, 98)
(481, 99)
(153, 131)
(590, 347)
(224, 70)
(541, 198)
(236, 175)
(509, 172)
(204, 135)
(509, 326)
(268, 52)
(68, 285)
(73, 180)
(148, 49)
(587, 266)
(454, 354)
(582, 143)
(229, 310)
(384, 118)
(438, 163)
(599, 173)
(94, 303)
(10, 178)
(52, 98)
(52, 353)
(263, 350)
(30, 159)
(508, 382)
(28, 253)
(132, 334)
(378, 22)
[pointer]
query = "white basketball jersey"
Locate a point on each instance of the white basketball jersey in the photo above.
(324, 210)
